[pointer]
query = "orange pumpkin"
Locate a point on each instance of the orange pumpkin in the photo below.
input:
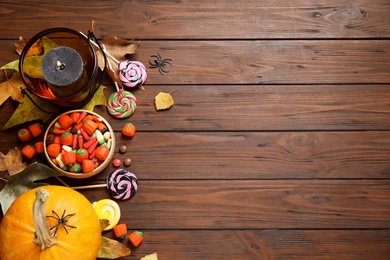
(80, 238)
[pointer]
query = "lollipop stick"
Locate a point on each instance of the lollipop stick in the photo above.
(107, 53)
(63, 183)
(109, 65)
(81, 187)
(89, 186)
(3, 179)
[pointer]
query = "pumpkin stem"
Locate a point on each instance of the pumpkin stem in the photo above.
(43, 236)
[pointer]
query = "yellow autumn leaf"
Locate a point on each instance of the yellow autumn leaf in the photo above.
(150, 257)
(97, 100)
(163, 101)
(112, 249)
(11, 88)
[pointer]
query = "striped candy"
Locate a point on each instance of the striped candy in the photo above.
(122, 104)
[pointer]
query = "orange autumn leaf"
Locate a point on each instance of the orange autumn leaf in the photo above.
(11, 88)
(36, 48)
(12, 161)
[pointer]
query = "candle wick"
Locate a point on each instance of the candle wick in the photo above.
(60, 65)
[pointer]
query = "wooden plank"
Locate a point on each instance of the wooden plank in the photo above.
(257, 204)
(237, 155)
(249, 19)
(264, 108)
(269, 62)
(255, 108)
(264, 244)
(264, 62)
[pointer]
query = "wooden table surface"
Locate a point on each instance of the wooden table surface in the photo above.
(278, 144)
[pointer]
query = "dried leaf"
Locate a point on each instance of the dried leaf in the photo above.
(116, 50)
(119, 48)
(93, 23)
(24, 181)
(12, 161)
(98, 99)
(104, 223)
(163, 101)
(13, 65)
(27, 111)
(150, 257)
(32, 64)
(111, 249)
(35, 49)
(11, 88)
(113, 73)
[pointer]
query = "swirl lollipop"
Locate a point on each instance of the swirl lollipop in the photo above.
(122, 104)
(122, 184)
(108, 209)
(132, 73)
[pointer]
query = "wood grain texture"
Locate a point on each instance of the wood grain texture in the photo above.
(266, 244)
(270, 62)
(265, 62)
(256, 108)
(238, 155)
(277, 146)
(248, 19)
(264, 108)
(257, 204)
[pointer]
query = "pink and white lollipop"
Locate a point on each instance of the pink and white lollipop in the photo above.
(122, 104)
(122, 184)
(132, 73)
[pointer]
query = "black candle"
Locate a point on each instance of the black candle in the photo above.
(63, 70)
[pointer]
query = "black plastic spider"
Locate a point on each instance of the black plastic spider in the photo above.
(160, 63)
(61, 221)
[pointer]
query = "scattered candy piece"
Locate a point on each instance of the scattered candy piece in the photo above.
(108, 209)
(136, 238)
(39, 147)
(122, 104)
(116, 163)
(132, 73)
(24, 135)
(120, 230)
(122, 184)
(128, 130)
(123, 149)
(36, 129)
(28, 151)
(127, 162)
